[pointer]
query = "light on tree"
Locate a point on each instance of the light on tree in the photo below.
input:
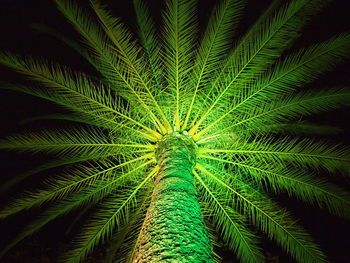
(184, 136)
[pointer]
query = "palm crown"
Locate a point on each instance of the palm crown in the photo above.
(221, 113)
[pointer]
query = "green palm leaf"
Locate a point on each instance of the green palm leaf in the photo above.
(58, 188)
(231, 225)
(272, 220)
(102, 224)
(179, 30)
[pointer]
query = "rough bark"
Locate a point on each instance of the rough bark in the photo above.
(174, 230)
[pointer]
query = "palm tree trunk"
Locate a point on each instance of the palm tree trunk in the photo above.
(174, 230)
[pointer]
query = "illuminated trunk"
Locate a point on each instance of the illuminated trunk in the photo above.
(174, 230)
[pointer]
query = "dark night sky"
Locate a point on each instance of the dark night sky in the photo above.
(16, 16)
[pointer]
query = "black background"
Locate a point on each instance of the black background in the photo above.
(16, 35)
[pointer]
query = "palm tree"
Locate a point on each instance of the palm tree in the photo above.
(181, 136)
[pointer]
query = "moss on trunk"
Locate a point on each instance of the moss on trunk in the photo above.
(174, 230)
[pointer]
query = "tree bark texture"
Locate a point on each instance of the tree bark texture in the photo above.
(174, 230)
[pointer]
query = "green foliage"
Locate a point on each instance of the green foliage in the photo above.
(234, 100)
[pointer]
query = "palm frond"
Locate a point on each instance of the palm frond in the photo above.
(305, 153)
(299, 104)
(72, 142)
(179, 31)
(130, 256)
(285, 109)
(259, 49)
(95, 40)
(296, 183)
(76, 89)
(214, 45)
(71, 181)
(63, 161)
(113, 212)
(131, 231)
(289, 74)
(61, 207)
(272, 220)
(89, 196)
(297, 128)
(148, 40)
(130, 58)
(108, 59)
(231, 226)
(69, 42)
(77, 113)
